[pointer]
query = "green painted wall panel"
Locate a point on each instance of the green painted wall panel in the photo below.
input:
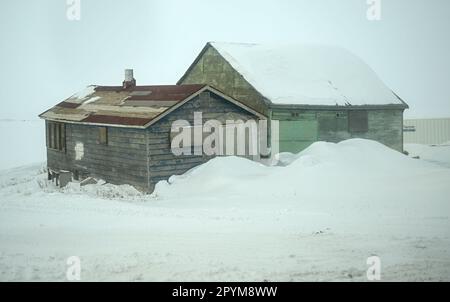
(295, 136)
(298, 130)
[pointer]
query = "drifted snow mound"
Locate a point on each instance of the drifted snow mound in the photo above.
(352, 173)
(217, 174)
(356, 155)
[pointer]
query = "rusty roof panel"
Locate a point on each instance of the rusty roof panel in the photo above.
(156, 92)
(68, 105)
(116, 120)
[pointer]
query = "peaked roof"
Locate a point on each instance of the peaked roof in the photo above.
(307, 74)
(135, 107)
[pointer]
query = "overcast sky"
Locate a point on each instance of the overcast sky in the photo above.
(45, 57)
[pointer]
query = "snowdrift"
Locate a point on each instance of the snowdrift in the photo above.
(353, 175)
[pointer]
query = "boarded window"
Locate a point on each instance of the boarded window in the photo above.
(358, 121)
(56, 136)
(103, 135)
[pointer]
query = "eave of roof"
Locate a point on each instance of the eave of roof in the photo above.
(338, 107)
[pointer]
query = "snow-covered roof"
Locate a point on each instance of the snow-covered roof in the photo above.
(307, 74)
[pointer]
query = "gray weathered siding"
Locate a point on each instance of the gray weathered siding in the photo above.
(123, 160)
(162, 162)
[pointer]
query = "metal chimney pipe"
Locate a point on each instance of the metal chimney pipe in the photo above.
(129, 75)
(129, 81)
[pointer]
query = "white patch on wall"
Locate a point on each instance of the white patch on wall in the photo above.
(79, 151)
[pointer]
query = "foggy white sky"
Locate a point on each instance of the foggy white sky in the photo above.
(45, 58)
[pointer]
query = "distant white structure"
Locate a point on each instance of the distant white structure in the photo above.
(432, 131)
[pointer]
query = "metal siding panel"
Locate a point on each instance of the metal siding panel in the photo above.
(428, 131)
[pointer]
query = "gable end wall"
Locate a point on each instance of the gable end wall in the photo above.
(162, 162)
(212, 69)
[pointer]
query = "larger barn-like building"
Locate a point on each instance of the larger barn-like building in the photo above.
(318, 93)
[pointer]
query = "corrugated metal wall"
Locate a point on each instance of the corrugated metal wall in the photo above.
(426, 131)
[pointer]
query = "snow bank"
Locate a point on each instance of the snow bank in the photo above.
(351, 175)
(307, 74)
(217, 174)
(349, 158)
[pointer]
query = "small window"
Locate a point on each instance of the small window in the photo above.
(56, 136)
(358, 121)
(103, 135)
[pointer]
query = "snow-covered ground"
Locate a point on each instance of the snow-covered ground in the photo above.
(438, 154)
(316, 216)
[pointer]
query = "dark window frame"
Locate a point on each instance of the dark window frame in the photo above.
(56, 136)
(103, 136)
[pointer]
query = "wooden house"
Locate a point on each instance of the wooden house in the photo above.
(122, 134)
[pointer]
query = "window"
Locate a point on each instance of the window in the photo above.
(358, 121)
(56, 136)
(103, 135)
